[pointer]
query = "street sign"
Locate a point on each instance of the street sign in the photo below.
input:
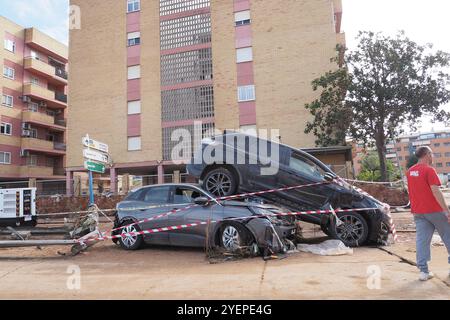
(95, 155)
(90, 143)
(94, 166)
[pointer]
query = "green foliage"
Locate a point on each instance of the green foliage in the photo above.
(412, 161)
(385, 83)
(371, 171)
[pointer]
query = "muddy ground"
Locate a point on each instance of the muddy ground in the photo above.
(107, 272)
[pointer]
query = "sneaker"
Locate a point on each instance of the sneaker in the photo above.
(426, 276)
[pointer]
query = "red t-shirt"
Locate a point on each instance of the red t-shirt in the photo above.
(420, 179)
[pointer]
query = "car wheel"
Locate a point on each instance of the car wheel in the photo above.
(233, 236)
(220, 182)
(353, 232)
(129, 242)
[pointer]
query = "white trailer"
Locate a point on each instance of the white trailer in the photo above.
(18, 207)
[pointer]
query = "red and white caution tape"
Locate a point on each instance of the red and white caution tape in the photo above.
(191, 225)
(393, 230)
(217, 199)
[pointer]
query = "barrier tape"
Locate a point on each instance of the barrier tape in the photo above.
(392, 227)
(217, 199)
(373, 182)
(191, 225)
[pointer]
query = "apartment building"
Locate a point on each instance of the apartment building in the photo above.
(400, 151)
(33, 106)
(142, 69)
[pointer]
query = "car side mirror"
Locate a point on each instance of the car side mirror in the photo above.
(329, 177)
(202, 201)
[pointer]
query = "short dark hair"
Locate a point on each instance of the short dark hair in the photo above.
(423, 151)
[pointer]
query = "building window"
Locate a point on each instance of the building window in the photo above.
(133, 5)
(32, 161)
(447, 144)
(7, 100)
(33, 133)
(33, 107)
(10, 45)
(242, 18)
(438, 155)
(134, 38)
(35, 55)
(134, 143)
(448, 164)
(244, 55)
(134, 72)
(35, 81)
(447, 154)
(6, 128)
(439, 165)
(437, 144)
(246, 93)
(9, 73)
(134, 107)
(400, 158)
(5, 157)
(250, 130)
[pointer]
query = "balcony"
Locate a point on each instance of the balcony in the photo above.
(43, 43)
(36, 172)
(53, 99)
(43, 146)
(43, 120)
(53, 75)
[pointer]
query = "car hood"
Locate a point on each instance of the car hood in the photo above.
(248, 204)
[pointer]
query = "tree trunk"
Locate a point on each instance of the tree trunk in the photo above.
(382, 157)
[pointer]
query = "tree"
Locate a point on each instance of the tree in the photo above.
(412, 161)
(384, 84)
(371, 170)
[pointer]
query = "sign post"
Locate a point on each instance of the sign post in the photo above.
(96, 158)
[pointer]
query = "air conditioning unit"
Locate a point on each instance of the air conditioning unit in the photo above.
(24, 153)
(26, 126)
(26, 99)
(26, 133)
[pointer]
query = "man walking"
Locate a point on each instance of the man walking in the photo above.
(429, 209)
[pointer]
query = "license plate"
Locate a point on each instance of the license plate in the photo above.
(28, 218)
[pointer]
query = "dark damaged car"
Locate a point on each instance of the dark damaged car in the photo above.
(234, 224)
(237, 163)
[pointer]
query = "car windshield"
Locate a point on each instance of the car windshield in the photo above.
(306, 167)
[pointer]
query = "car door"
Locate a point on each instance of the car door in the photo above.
(182, 197)
(156, 201)
(299, 170)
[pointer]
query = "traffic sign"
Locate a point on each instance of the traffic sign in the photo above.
(95, 155)
(90, 143)
(94, 166)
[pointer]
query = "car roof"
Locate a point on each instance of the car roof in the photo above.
(169, 185)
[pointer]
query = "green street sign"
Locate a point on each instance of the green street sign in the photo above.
(94, 166)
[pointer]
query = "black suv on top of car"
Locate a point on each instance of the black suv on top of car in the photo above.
(220, 167)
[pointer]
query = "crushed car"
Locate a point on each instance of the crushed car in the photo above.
(234, 163)
(238, 224)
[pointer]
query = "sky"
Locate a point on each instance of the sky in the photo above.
(49, 16)
(424, 21)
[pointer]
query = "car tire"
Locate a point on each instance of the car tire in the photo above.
(130, 243)
(220, 182)
(353, 233)
(233, 236)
